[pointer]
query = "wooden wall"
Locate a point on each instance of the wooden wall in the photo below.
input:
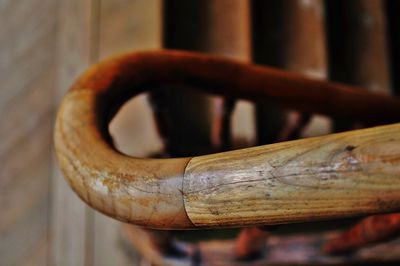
(27, 75)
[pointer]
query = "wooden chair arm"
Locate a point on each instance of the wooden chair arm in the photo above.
(338, 175)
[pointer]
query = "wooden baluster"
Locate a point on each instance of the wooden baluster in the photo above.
(224, 124)
(357, 55)
(369, 230)
(357, 46)
(289, 35)
(393, 27)
(219, 27)
(281, 38)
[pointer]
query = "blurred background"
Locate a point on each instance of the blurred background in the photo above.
(46, 44)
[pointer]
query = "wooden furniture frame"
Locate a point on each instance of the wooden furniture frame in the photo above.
(339, 175)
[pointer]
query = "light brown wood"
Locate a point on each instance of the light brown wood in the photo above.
(333, 176)
(303, 37)
(251, 183)
(126, 25)
(305, 49)
(149, 196)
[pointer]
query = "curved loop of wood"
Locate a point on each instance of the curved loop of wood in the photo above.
(338, 175)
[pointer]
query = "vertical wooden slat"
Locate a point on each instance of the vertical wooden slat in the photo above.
(127, 26)
(72, 220)
(393, 27)
(357, 43)
(290, 35)
(267, 42)
(305, 50)
(304, 37)
(358, 55)
(219, 27)
(357, 46)
(27, 33)
(185, 27)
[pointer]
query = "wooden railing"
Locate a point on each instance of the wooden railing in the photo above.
(338, 175)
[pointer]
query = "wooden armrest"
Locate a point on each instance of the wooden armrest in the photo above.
(338, 175)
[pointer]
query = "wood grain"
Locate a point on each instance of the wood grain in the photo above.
(105, 185)
(127, 25)
(334, 176)
(150, 192)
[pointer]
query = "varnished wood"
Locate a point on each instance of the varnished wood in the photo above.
(340, 175)
(333, 176)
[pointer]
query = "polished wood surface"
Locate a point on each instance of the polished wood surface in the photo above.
(334, 176)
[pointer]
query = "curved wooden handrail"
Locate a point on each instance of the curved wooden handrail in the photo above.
(338, 175)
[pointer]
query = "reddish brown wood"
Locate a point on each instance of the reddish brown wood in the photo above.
(120, 78)
(370, 230)
(250, 243)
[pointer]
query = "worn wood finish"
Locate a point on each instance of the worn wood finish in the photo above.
(161, 193)
(358, 55)
(126, 196)
(289, 35)
(328, 177)
(216, 27)
(126, 25)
